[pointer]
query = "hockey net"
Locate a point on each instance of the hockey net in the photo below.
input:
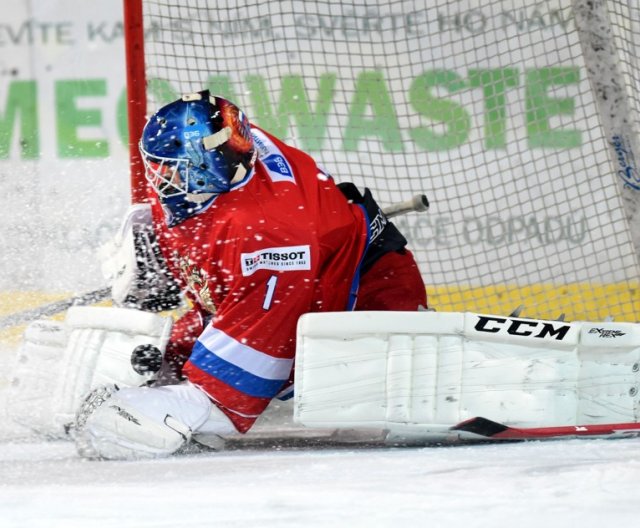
(488, 107)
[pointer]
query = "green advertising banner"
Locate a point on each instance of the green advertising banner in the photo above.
(485, 107)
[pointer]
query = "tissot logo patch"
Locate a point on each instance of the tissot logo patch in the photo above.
(289, 258)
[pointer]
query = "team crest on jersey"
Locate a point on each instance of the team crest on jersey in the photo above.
(290, 258)
(198, 283)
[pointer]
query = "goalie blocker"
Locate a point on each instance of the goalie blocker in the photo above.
(428, 377)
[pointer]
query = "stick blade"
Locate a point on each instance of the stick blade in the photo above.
(491, 430)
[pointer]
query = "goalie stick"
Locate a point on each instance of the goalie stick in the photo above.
(53, 308)
(491, 430)
(418, 203)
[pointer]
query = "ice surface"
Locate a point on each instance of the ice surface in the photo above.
(585, 483)
(569, 483)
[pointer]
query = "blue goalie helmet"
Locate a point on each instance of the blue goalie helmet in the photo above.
(194, 149)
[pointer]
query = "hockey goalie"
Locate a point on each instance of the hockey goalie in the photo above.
(295, 286)
(256, 234)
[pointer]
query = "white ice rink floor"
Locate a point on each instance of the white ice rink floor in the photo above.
(577, 483)
(568, 483)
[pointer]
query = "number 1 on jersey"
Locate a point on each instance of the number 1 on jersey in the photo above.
(271, 288)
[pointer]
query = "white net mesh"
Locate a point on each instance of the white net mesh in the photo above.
(485, 106)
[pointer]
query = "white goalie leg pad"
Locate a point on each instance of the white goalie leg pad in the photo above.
(58, 363)
(215, 430)
(98, 351)
(142, 422)
(424, 372)
(35, 376)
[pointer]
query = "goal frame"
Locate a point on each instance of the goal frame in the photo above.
(531, 228)
(136, 89)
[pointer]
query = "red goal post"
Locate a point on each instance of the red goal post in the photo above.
(136, 91)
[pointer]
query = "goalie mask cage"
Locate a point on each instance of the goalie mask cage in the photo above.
(516, 118)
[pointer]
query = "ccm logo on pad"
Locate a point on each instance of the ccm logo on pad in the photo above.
(521, 327)
(277, 259)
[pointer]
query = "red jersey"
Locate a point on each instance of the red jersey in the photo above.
(283, 242)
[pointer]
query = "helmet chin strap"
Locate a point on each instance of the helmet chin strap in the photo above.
(241, 172)
(200, 197)
(219, 138)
